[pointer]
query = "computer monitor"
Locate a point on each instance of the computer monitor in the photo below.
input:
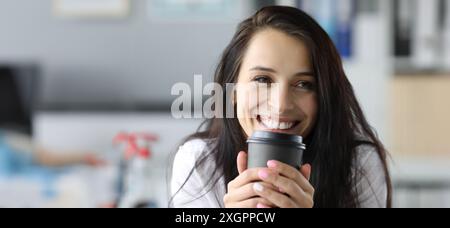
(19, 86)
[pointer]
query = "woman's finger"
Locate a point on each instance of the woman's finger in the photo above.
(242, 162)
(275, 197)
(287, 186)
(291, 173)
(247, 176)
(306, 171)
(243, 193)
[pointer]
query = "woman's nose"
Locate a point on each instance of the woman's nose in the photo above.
(281, 99)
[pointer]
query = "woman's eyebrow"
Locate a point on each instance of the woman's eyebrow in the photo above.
(260, 68)
(305, 73)
(268, 69)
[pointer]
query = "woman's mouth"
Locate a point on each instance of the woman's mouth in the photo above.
(276, 123)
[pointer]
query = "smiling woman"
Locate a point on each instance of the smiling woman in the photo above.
(284, 61)
(344, 164)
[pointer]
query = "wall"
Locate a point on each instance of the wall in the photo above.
(109, 60)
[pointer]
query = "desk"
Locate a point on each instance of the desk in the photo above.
(81, 131)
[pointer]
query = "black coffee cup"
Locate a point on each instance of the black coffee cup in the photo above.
(264, 146)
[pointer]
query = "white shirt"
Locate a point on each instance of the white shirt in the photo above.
(371, 187)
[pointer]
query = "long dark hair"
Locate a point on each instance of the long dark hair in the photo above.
(341, 126)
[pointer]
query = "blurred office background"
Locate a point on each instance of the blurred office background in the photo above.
(87, 70)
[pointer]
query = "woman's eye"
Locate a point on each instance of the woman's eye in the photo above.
(263, 80)
(305, 85)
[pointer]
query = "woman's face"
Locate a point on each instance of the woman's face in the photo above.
(280, 63)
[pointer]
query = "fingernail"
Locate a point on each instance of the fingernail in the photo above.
(260, 205)
(272, 164)
(281, 190)
(263, 174)
(258, 187)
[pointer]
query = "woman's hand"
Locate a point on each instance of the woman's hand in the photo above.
(294, 189)
(241, 192)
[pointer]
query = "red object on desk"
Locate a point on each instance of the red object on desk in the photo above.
(131, 140)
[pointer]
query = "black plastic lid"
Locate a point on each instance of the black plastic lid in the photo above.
(277, 138)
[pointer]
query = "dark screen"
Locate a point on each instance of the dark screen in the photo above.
(18, 89)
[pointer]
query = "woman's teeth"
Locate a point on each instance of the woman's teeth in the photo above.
(276, 125)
